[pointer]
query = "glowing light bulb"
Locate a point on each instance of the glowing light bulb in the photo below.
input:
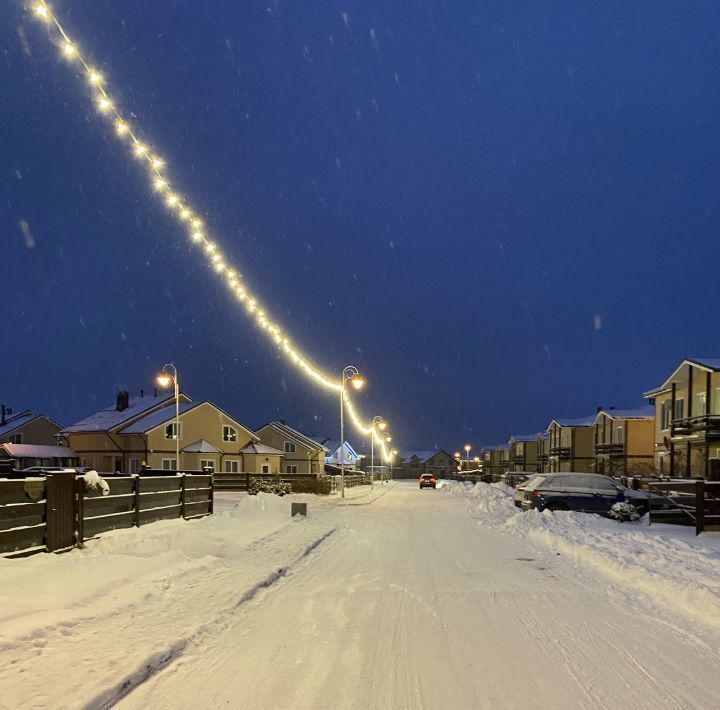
(184, 213)
(216, 257)
(139, 149)
(69, 50)
(95, 78)
(121, 127)
(41, 11)
(210, 247)
(104, 104)
(159, 184)
(197, 236)
(196, 223)
(219, 266)
(157, 163)
(171, 200)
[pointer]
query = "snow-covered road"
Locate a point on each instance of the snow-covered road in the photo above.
(397, 600)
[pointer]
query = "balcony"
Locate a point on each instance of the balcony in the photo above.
(610, 449)
(704, 426)
(561, 452)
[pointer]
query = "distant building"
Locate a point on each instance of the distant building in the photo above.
(27, 427)
(301, 453)
(572, 445)
(624, 441)
(437, 462)
(523, 452)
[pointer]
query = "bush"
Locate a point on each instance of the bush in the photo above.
(268, 485)
(624, 512)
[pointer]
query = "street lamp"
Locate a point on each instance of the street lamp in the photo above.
(392, 458)
(349, 374)
(169, 375)
(380, 424)
(467, 448)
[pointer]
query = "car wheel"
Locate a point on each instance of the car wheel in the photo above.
(556, 506)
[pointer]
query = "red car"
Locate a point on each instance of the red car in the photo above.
(427, 480)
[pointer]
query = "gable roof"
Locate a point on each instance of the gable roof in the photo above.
(421, 455)
(646, 412)
(582, 421)
(201, 446)
(15, 421)
(109, 418)
(262, 449)
(38, 451)
(708, 364)
(522, 437)
(293, 435)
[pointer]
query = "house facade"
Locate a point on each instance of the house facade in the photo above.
(687, 420)
(301, 454)
(542, 441)
(27, 427)
(142, 432)
(624, 441)
(438, 462)
(571, 445)
(523, 452)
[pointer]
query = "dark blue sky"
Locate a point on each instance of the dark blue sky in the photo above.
(501, 212)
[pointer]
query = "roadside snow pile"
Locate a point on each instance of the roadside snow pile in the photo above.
(666, 562)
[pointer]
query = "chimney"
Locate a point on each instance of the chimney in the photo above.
(123, 401)
(142, 393)
(154, 391)
(2, 418)
(282, 421)
(599, 409)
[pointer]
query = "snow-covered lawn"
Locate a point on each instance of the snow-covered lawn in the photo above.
(392, 598)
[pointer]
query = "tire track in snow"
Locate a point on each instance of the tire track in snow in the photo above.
(159, 660)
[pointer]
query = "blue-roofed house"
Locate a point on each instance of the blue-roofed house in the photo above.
(572, 445)
(687, 419)
(624, 441)
(142, 431)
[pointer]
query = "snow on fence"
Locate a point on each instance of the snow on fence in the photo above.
(62, 510)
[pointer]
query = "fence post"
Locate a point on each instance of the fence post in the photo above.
(699, 506)
(247, 481)
(136, 491)
(211, 503)
(79, 510)
(182, 496)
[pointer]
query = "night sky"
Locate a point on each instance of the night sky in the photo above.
(501, 212)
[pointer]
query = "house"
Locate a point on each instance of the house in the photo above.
(435, 461)
(543, 451)
(337, 454)
(301, 453)
(572, 445)
(687, 419)
(27, 427)
(495, 459)
(624, 441)
(523, 452)
(32, 455)
(142, 430)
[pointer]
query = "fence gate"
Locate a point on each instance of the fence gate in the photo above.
(60, 511)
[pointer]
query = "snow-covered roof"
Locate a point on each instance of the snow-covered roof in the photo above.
(110, 418)
(523, 437)
(709, 364)
(261, 449)
(201, 446)
(421, 455)
(17, 420)
(646, 412)
(542, 435)
(38, 451)
(582, 421)
(294, 435)
(157, 418)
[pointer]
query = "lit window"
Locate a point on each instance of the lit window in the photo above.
(229, 433)
(173, 431)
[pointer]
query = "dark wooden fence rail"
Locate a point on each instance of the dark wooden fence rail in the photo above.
(58, 512)
(700, 499)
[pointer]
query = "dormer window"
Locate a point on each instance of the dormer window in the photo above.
(229, 433)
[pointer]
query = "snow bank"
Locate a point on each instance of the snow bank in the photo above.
(668, 563)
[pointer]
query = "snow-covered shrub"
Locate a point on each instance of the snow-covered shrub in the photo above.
(624, 512)
(94, 482)
(268, 485)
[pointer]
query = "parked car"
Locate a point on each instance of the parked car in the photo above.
(584, 492)
(512, 478)
(427, 480)
(520, 490)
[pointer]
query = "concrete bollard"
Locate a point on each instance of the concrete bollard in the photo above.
(298, 509)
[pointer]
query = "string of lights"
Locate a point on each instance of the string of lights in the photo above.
(163, 188)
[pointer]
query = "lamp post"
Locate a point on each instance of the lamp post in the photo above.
(377, 421)
(392, 458)
(170, 374)
(467, 448)
(351, 374)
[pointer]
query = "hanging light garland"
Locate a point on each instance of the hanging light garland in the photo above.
(187, 216)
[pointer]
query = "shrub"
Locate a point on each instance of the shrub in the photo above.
(268, 485)
(624, 512)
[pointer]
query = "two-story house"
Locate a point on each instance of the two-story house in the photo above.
(687, 419)
(438, 462)
(523, 452)
(142, 432)
(624, 441)
(27, 427)
(571, 445)
(301, 454)
(542, 441)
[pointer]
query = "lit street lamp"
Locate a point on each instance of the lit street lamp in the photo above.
(467, 454)
(377, 421)
(169, 375)
(349, 374)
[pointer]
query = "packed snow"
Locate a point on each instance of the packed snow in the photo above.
(391, 598)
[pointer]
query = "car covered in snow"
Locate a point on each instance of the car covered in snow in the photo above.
(513, 478)
(427, 480)
(520, 490)
(583, 492)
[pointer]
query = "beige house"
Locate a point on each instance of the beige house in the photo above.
(687, 420)
(301, 454)
(523, 452)
(624, 441)
(140, 431)
(542, 441)
(27, 427)
(571, 445)
(438, 462)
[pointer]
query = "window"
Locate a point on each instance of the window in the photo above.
(716, 401)
(665, 410)
(265, 468)
(169, 464)
(232, 466)
(519, 448)
(289, 447)
(699, 404)
(15, 438)
(134, 465)
(679, 408)
(618, 434)
(173, 431)
(207, 465)
(229, 433)
(291, 468)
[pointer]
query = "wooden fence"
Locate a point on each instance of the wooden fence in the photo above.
(57, 511)
(299, 482)
(697, 499)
